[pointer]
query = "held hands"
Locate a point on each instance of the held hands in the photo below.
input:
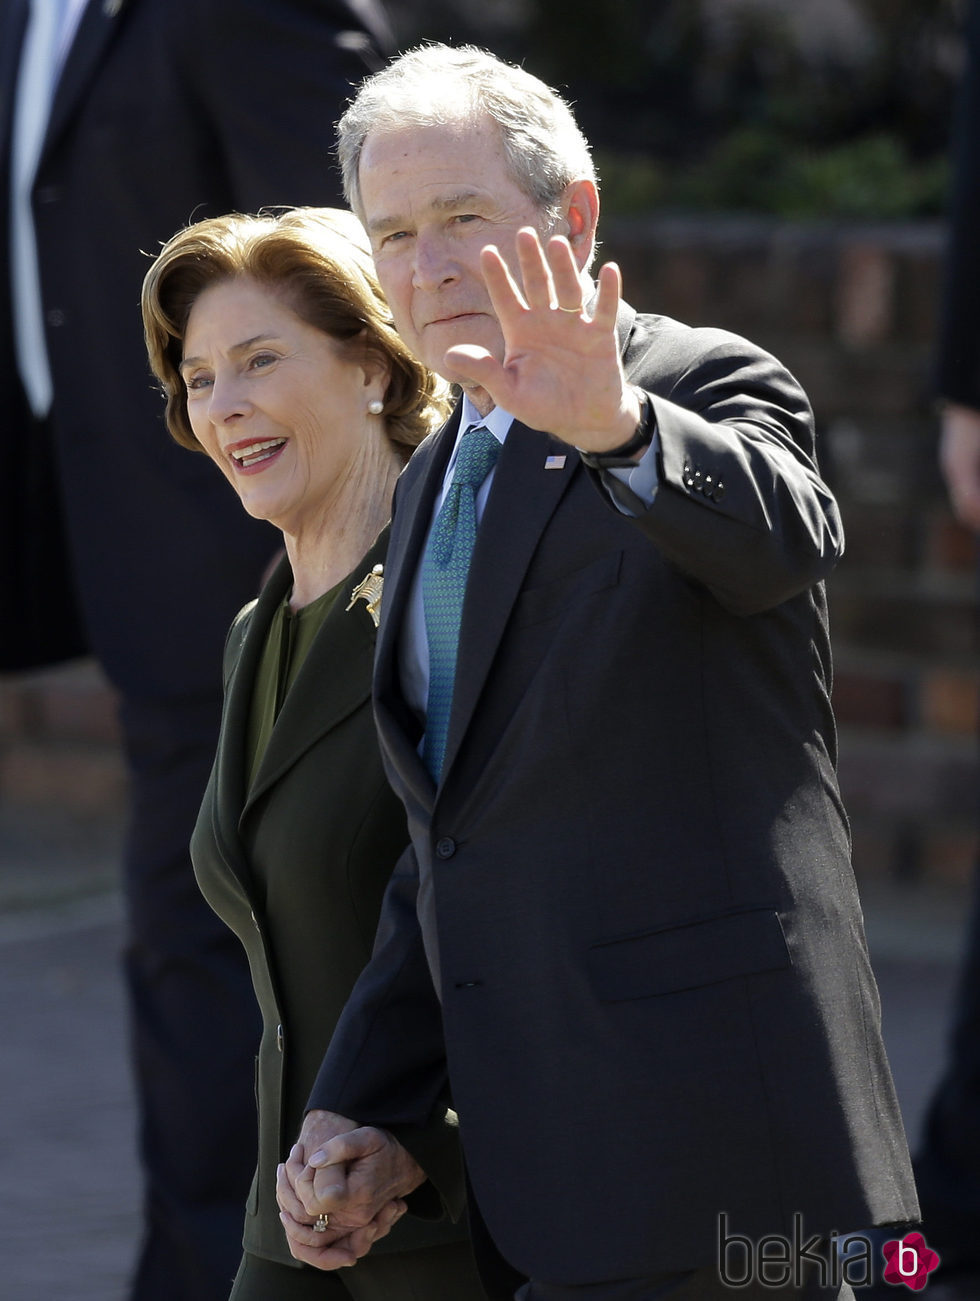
(357, 1177)
(561, 370)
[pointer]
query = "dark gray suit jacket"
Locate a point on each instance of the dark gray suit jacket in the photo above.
(958, 375)
(167, 111)
(656, 1003)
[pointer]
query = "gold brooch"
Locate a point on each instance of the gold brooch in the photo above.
(368, 590)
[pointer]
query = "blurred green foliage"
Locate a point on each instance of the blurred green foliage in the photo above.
(756, 170)
(790, 107)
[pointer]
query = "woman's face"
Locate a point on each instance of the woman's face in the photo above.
(273, 403)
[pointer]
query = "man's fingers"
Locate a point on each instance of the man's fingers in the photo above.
(565, 273)
(332, 1189)
(348, 1147)
(505, 293)
(360, 1241)
(536, 276)
(607, 302)
(478, 365)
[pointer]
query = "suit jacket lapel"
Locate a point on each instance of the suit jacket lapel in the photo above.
(13, 22)
(625, 320)
(96, 26)
(335, 679)
(230, 766)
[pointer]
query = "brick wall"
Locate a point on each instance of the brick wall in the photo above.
(851, 310)
(59, 745)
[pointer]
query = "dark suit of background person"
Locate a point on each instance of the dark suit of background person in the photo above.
(166, 110)
(655, 999)
(298, 869)
(948, 1164)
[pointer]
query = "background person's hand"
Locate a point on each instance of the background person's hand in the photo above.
(959, 458)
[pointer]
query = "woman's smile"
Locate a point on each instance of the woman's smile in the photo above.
(251, 457)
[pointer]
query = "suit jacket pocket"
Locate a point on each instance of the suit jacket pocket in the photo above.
(546, 600)
(686, 957)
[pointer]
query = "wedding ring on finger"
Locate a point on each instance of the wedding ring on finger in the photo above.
(576, 310)
(321, 1223)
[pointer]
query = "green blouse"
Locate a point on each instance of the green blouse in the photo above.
(291, 635)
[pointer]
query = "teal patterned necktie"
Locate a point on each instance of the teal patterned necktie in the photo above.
(445, 567)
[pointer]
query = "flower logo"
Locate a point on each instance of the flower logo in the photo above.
(909, 1261)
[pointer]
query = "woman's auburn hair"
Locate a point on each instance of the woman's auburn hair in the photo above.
(318, 262)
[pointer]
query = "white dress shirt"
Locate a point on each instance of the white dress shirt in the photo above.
(50, 31)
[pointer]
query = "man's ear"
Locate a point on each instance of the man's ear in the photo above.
(580, 203)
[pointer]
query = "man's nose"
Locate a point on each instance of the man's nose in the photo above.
(434, 264)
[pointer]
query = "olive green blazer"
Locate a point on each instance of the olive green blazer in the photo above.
(297, 867)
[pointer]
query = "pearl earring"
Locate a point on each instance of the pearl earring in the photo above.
(376, 406)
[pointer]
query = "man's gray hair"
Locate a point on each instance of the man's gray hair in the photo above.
(434, 84)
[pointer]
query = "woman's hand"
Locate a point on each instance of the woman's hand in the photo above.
(339, 1245)
(353, 1177)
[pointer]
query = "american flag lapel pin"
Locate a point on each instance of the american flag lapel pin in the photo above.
(554, 462)
(369, 591)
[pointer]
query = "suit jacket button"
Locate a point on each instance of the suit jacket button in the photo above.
(719, 491)
(446, 847)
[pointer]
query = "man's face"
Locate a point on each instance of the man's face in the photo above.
(433, 197)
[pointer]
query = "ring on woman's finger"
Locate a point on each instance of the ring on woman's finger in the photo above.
(576, 310)
(321, 1223)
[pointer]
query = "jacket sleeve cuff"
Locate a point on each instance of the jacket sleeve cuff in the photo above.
(436, 1147)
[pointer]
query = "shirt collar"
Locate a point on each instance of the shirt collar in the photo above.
(498, 421)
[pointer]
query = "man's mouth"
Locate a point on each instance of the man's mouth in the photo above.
(245, 455)
(455, 316)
